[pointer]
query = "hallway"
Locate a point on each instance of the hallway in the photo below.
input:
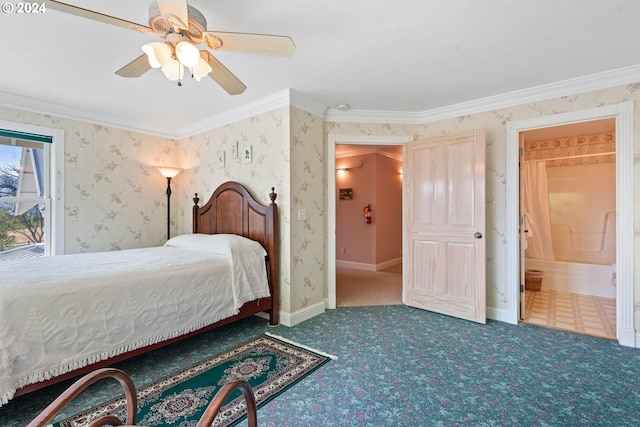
(356, 288)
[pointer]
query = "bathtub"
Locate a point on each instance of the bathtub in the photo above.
(588, 279)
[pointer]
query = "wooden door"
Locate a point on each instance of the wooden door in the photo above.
(444, 219)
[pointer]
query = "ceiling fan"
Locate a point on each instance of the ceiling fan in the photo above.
(183, 27)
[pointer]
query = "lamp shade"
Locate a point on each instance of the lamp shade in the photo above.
(158, 53)
(173, 70)
(169, 172)
(187, 54)
(201, 69)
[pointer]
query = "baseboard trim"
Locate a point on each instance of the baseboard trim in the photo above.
(356, 265)
(628, 337)
(331, 302)
(502, 315)
(387, 264)
(299, 316)
(369, 267)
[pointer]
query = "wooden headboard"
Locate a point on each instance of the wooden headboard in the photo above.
(233, 210)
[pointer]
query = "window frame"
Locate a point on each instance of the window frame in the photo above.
(54, 188)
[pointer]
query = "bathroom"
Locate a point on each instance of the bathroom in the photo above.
(568, 203)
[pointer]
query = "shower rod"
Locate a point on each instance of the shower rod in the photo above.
(577, 156)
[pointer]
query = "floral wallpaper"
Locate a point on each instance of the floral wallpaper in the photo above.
(287, 152)
(267, 136)
(307, 192)
(115, 198)
(494, 122)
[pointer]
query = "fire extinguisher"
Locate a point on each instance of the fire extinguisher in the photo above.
(367, 214)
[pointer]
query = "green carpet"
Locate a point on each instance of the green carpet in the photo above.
(270, 365)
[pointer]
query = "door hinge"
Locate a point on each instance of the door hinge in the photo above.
(521, 288)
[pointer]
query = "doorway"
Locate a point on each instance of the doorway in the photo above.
(332, 196)
(568, 203)
(623, 114)
(368, 225)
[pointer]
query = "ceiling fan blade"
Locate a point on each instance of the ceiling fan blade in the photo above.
(222, 75)
(262, 44)
(96, 16)
(135, 68)
(175, 11)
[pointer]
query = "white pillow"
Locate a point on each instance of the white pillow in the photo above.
(224, 244)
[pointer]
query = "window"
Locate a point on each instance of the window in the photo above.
(31, 204)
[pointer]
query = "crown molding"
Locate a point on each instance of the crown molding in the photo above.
(559, 89)
(58, 110)
(290, 97)
(280, 99)
(582, 84)
(371, 116)
(262, 105)
(306, 103)
(284, 98)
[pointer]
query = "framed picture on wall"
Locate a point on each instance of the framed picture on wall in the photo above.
(234, 150)
(246, 154)
(346, 194)
(220, 156)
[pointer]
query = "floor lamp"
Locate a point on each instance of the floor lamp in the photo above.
(169, 173)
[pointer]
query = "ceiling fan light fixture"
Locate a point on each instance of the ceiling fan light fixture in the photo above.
(188, 54)
(202, 69)
(158, 53)
(176, 21)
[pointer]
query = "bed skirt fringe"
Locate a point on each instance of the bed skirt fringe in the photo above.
(94, 358)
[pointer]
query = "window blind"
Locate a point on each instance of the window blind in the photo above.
(25, 136)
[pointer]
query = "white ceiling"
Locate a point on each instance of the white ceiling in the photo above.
(346, 150)
(404, 56)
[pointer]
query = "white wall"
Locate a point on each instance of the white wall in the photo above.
(582, 201)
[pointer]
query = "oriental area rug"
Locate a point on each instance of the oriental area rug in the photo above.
(270, 364)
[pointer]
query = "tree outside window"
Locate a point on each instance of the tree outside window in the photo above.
(21, 212)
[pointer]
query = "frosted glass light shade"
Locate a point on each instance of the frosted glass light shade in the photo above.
(158, 53)
(187, 54)
(173, 70)
(201, 70)
(169, 172)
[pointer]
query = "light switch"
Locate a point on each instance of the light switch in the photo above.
(302, 214)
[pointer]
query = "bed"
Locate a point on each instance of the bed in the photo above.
(86, 311)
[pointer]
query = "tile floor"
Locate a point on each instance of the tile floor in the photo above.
(584, 314)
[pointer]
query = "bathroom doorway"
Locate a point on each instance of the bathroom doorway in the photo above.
(568, 230)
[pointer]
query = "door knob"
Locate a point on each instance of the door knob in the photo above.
(478, 235)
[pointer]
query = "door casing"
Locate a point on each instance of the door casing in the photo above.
(623, 113)
(332, 140)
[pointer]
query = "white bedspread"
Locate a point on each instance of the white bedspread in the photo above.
(62, 313)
